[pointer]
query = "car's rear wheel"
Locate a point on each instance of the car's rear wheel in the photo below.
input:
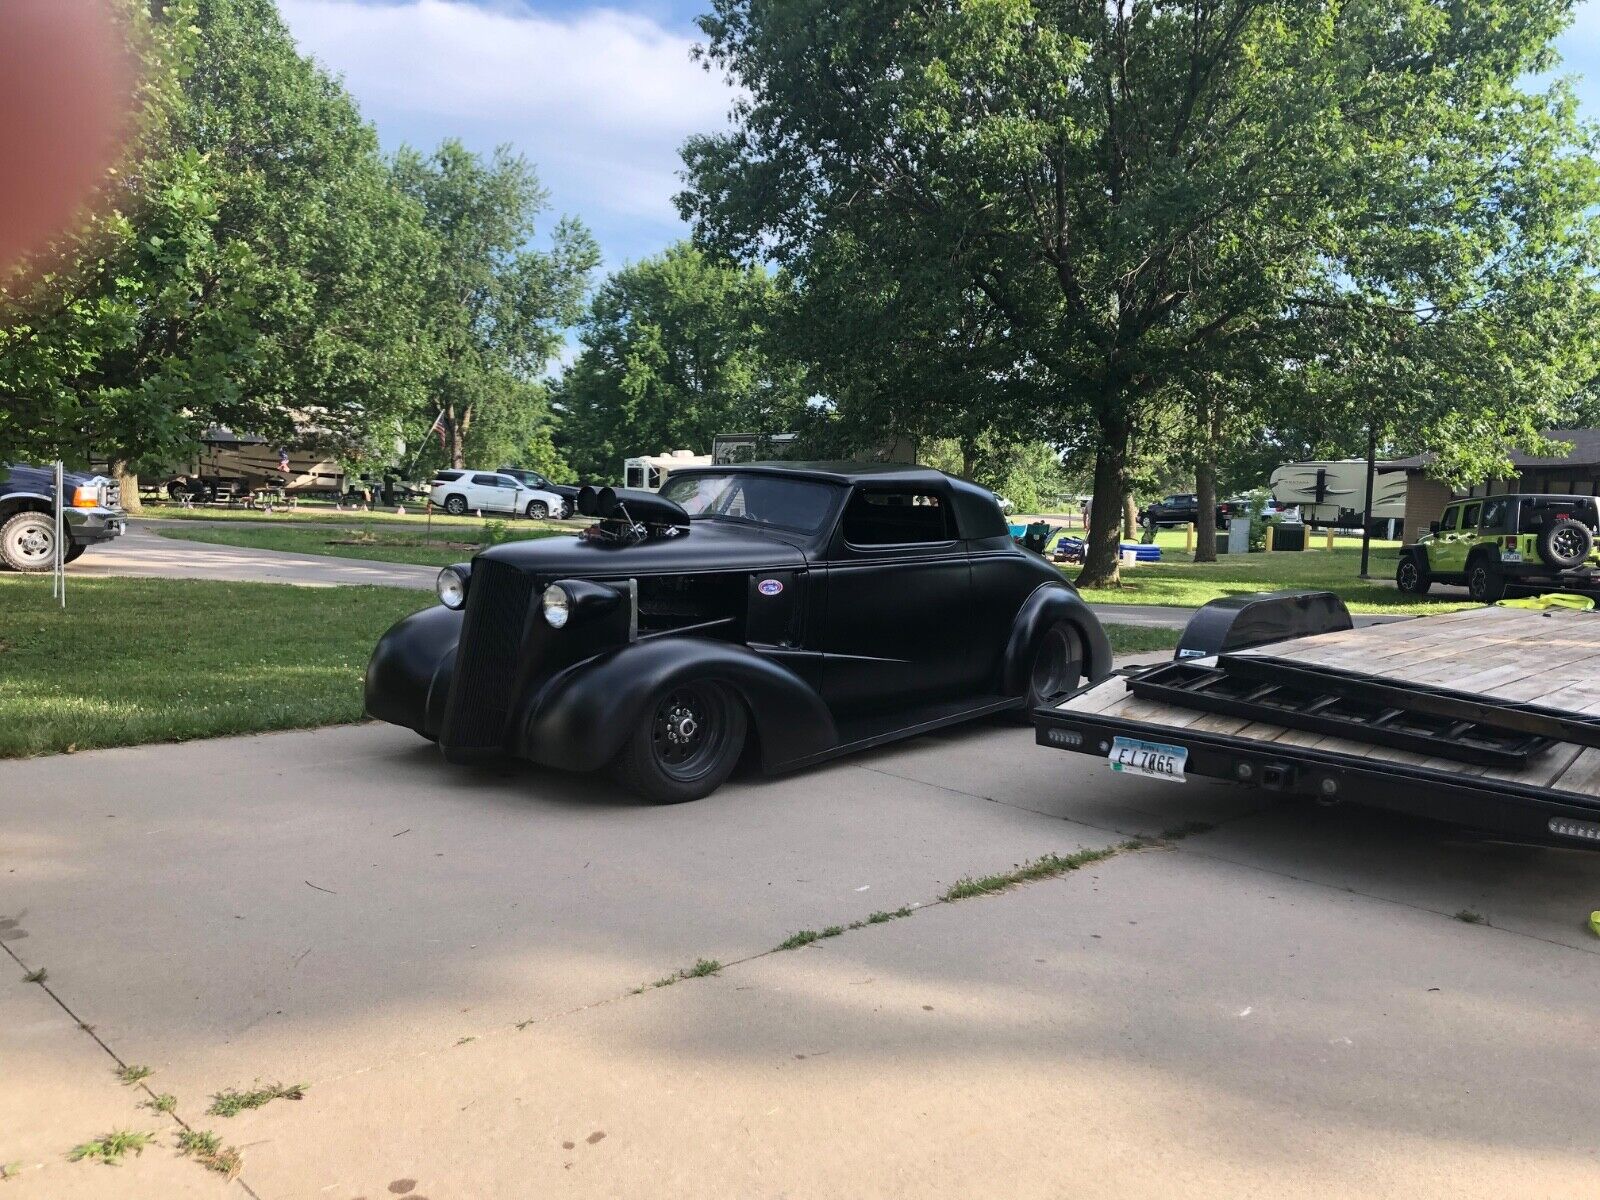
(28, 542)
(1486, 583)
(688, 744)
(455, 505)
(1565, 543)
(538, 510)
(1057, 667)
(1412, 577)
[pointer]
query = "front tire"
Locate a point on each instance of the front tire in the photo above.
(538, 510)
(1411, 577)
(687, 745)
(28, 542)
(74, 552)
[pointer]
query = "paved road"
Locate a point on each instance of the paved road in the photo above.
(451, 960)
(144, 552)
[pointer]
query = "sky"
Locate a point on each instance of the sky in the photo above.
(598, 97)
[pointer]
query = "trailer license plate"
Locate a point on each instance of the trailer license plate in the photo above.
(1155, 759)
(1511, 556)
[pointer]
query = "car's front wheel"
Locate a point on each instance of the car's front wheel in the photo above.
(538, 510)
(1486, 583)
(688, 744)
(28, 542)
(1410, 577)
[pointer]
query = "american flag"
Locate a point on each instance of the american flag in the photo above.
(283, 459)
(437, 429)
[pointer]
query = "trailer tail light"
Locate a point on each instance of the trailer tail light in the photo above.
(1589, 831)
(1511, 542)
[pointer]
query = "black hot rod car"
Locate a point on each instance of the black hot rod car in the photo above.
(793, 611)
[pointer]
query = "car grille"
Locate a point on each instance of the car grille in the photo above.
(482, 689)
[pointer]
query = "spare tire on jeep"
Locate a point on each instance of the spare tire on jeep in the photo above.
(1564, 543)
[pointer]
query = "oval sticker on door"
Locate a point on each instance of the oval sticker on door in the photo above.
(769, 587)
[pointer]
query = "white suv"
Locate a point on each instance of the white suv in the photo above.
(459, 492)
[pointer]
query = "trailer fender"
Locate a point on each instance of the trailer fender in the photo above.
(1236, 622)
(580, 719)
(1049, 603)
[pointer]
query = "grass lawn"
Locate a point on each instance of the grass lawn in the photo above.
(1140, 639)
(326, 514)
(405, 545)
(154, 660)
(1180, 581)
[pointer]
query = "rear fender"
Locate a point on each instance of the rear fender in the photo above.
(582, 717)
(1047, 604)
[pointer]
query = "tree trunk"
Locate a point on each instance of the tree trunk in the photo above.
(1106, 513)
(969, 459)
(129, 483)
(1130, 518)
(1205, 489)
(458, 444)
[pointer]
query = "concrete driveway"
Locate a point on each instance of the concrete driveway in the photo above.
(459, 965)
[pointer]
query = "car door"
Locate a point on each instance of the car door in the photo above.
(899, 586)
(1448, 554)
(493, 493)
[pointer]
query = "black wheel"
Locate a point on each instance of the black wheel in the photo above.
(1412, 577)
(1565, 543)
(538, 510)
(1486, 583)
(687, 746)
(1057, 667)
(74, 552)
(566, 509)
(28, 542)
(456, 506)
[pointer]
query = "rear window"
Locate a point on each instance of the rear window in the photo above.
(897, 518)
(1536, 511)
(447, 476)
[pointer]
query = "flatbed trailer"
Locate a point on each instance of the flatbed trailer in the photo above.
(1488, 717)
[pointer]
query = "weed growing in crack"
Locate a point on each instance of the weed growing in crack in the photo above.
(38, 976)
(133, 1073)
(163, 1103)
(230, 1103)
(1047, 866)
(110, 1148)
(1467, 916)
(206, 1148)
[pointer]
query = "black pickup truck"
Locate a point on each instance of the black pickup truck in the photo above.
(1182, 508)
(93, 513)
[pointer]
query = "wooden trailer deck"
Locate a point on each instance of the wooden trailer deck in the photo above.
(1549, 658)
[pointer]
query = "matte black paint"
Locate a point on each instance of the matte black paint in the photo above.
(836, 646)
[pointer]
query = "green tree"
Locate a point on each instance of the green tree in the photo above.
(1148, 192)
(259, 271)
(676, 349)
(495, 310)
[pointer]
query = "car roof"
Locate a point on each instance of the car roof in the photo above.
(1562, 497)
(838, 471)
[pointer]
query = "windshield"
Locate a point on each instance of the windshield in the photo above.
(799, 504)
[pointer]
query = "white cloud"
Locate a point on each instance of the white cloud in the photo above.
(599, 99)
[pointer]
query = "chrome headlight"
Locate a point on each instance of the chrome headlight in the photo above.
(557, 606)
(452, 585)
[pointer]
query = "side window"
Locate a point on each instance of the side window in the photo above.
(1496, 516)
(486, 480)
(896, 518)
(1448, 524)
(1469, 517)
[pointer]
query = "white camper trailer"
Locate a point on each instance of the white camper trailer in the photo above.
(1334, 494)
(650, 471)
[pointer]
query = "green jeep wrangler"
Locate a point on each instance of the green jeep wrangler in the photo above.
(1534, 541)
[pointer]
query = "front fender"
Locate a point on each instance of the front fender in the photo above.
(408, 677)
(1047, 604)
(582, 717)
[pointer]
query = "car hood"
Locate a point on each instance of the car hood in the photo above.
(20, 477)
(708, 546)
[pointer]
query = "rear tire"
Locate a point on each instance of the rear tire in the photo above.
(1565, 543)
(1486, 583)
(687, 745)
(28, 542)
(456, 506)
(1057, 668)
(1411, 577)
(74, 552)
